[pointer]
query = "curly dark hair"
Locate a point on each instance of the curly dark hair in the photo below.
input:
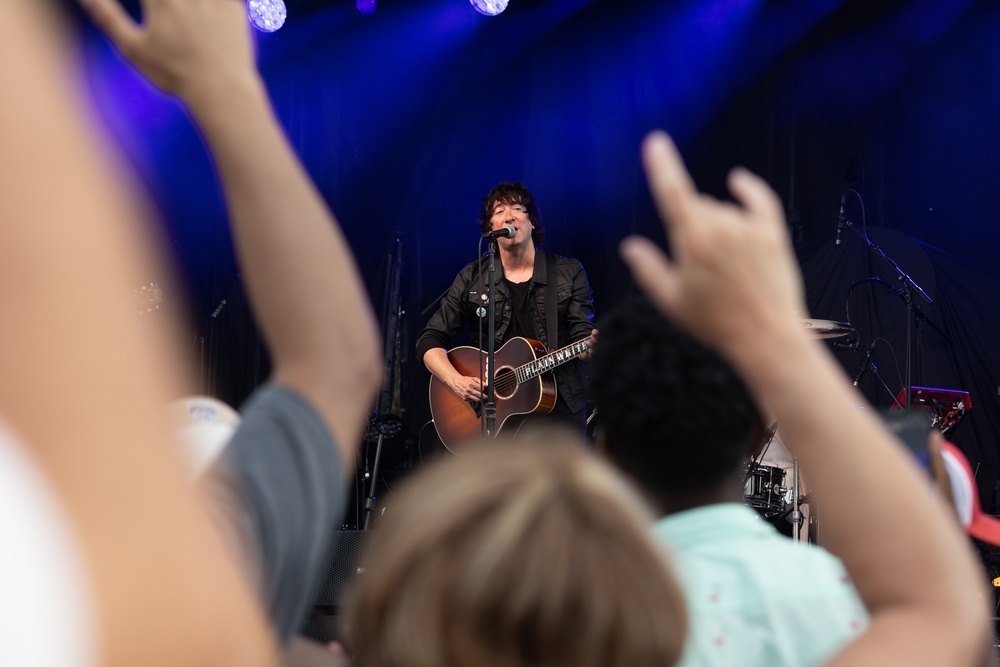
(674, 414)
(510, 192)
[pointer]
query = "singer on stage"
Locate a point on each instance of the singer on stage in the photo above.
(523, 278)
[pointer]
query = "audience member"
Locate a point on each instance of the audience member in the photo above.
(733, 272)
(202, 426)
(516, 553)
(279, 485)
(679, 421)
(83, 395)
(508, 556)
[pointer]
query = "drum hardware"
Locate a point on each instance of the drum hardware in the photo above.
(796, 516)
(764, 489)
(757, 453)
(850, 344)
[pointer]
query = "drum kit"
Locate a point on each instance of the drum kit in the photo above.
(772, 481)
(766, 484)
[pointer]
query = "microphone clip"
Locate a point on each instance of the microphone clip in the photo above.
(849, 344)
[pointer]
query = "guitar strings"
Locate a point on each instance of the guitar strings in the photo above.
(509, 381)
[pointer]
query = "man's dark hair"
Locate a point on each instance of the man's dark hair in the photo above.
(509, 192)
(673, 413)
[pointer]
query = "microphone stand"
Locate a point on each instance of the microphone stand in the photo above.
(909, 288)
(371, 499)
(490, 411)
(796, 515)
(393, 313)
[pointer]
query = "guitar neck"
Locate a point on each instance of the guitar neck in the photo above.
(550, 361)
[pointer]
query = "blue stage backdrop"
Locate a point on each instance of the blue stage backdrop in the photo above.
(406, 118)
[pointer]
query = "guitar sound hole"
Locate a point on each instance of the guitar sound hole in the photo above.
(505, 382)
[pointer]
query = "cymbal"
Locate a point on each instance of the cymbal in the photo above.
(827, 328)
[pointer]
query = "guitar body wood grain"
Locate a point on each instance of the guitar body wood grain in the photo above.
(457, 420)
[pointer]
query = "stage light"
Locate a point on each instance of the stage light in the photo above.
(267, 15)
(489, 7)
(366, 7)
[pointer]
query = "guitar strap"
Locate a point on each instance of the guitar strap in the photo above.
(551, 302)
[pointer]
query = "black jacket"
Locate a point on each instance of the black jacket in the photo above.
(575, 316)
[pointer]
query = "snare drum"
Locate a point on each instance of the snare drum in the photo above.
(764, 489)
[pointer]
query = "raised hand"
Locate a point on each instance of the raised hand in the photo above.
(734, 283)
(185, 47)
(733, 273)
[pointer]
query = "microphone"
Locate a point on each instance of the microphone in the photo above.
(864, 364)
(840, 216)
(506, 232)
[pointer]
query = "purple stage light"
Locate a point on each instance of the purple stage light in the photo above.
(366, 7)
(267, 15)
(489, 7)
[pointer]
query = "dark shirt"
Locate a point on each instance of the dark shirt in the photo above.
(520, 322)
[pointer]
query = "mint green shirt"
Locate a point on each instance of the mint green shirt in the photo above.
(755, 597)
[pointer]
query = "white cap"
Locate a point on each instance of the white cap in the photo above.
(203, 425)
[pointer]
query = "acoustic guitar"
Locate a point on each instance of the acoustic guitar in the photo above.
(523, 385)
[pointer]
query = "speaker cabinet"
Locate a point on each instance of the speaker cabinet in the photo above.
(346, 566)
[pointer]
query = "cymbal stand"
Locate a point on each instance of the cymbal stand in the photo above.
(796, 515)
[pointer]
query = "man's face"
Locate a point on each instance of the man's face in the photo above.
(505, 213)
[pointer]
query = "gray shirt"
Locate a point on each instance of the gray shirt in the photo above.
(280, 492)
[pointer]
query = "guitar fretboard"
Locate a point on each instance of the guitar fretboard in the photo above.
(545, 364)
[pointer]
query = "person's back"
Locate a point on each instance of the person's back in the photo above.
(95, 502)
(754, 596)
(679, 421)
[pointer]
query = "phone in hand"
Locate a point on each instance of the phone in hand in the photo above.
(912, 427)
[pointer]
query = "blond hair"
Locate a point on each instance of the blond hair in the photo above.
(529, 553)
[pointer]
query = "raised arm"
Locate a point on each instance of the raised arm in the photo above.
(733, 272)
(84, 391)
(303, 283)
